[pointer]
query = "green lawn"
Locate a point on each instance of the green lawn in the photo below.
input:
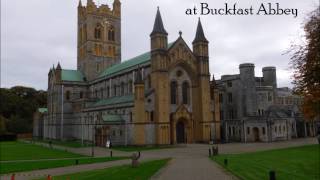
(72, 144)
(291, 163)
(144, 171)
(25, 151)
(15, 151)
(10, 167)
(139, 148)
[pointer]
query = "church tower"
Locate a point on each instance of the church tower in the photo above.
(99, 37)
(160, 80)
(200, 50)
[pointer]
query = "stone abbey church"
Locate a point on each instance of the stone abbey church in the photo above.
(164, 96)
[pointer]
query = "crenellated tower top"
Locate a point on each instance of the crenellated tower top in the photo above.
(102, 10)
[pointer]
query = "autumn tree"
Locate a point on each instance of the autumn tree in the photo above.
(305, 62)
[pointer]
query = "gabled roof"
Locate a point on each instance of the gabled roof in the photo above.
(72, 75)
(138, 60)
(141, 59)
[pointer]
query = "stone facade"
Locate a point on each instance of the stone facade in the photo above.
(160, 97)
(255, 109)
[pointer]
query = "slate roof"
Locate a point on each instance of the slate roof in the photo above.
(138, 60)
(158, 25)
(72, 75)
(280, 111)
(200, 37)
(141, 59)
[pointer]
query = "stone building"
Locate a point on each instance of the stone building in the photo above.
(159, 97)
(255, 109)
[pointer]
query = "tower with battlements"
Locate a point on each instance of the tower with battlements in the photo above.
(99, 37)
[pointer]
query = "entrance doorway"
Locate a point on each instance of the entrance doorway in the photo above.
(256, 134)
(180, 132)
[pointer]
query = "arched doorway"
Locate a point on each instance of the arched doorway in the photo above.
(256, 135)
(180, 132)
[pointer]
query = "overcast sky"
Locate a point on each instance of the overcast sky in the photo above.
(35, 34)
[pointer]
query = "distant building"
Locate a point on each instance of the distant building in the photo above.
(255, 109)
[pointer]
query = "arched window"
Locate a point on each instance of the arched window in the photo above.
(111, 34)
(102, 94)
(68, 95)
(130, 86)
(149, 81)
(122, 89)
(98, 49)
(185, 93)
(108, 91)
(97, 32)
(173, 90)
(114, 90)
(151, 116)
(81, 95)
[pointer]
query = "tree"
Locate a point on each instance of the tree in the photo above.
(306, 64)
(17, 107)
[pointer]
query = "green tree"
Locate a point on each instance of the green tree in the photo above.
(18, 105)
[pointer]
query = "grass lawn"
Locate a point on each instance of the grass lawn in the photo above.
(15, 151)
(139, 148)
(25, 151)
(144, 171)
(291, 163)
(72, 144)
(10, 167)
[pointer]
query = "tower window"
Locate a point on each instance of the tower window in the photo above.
(81, 95)
(185, 93)
(97, 32)
(111, 34)
(173, 90)
(98, 49)
(151, 116)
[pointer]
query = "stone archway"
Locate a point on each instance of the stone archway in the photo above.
(181, 126)
(256, 134)
(180, 132)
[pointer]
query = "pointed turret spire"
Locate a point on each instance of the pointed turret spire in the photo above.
(158, 25)
(200, 37)
(59, 66)
(80, 3)
(138, 79)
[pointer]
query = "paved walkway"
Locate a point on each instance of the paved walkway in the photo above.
(189, 161)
